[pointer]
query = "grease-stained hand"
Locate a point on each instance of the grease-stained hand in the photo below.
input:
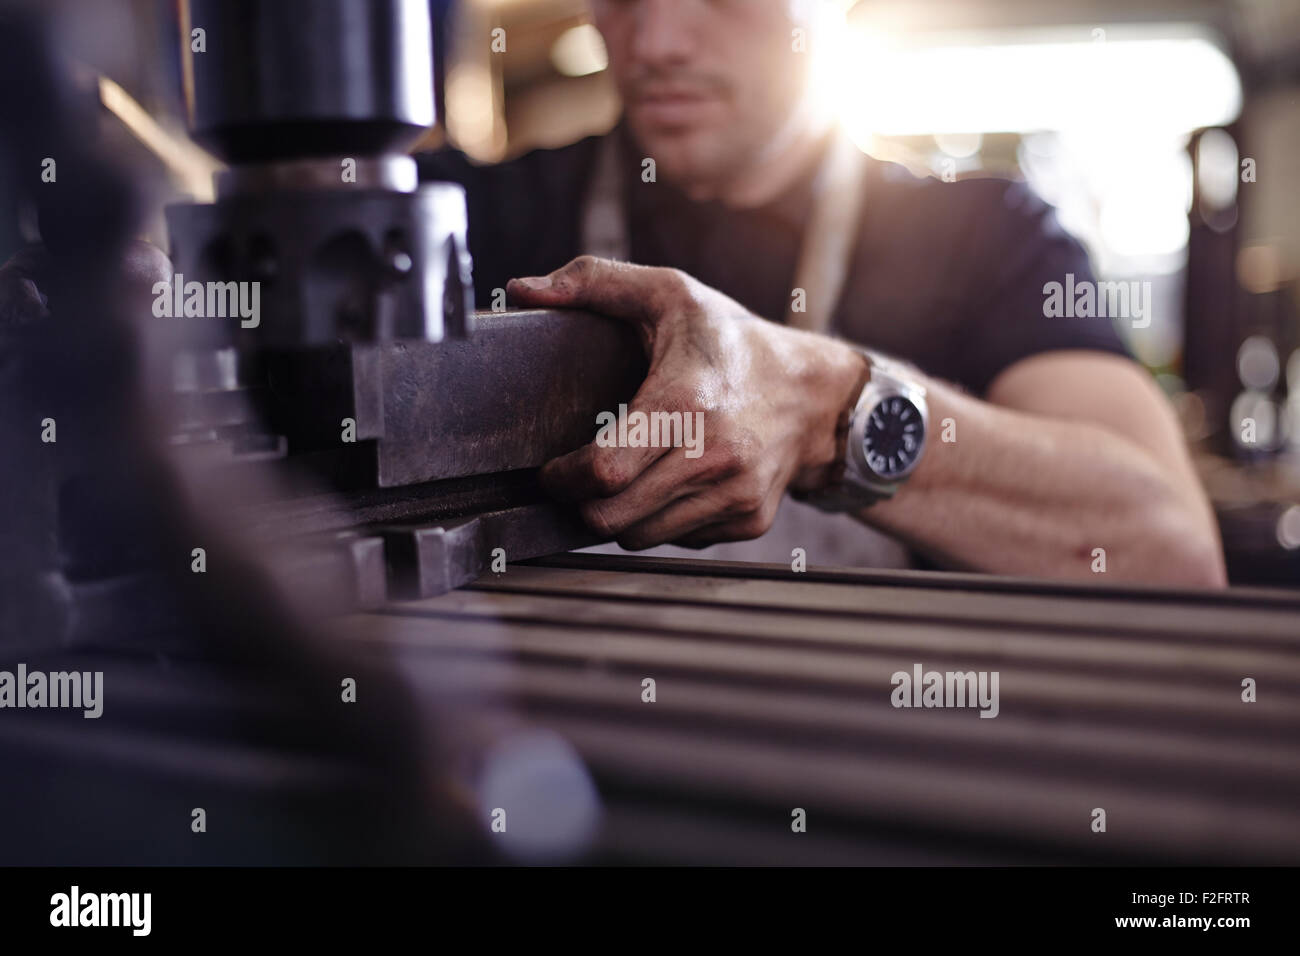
(772, 398)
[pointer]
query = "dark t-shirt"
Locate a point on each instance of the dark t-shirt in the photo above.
(948, 276)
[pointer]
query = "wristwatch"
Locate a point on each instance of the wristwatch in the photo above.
(886, 437)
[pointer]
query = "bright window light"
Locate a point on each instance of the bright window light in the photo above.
(1177, 82)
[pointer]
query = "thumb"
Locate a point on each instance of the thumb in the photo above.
(617, 289)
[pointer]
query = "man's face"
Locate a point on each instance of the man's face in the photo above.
(706, 84)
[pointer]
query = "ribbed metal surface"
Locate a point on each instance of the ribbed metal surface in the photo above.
(773, 693)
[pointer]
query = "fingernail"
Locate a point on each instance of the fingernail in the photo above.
(535, 283)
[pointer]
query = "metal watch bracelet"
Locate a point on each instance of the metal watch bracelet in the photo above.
(859, 487)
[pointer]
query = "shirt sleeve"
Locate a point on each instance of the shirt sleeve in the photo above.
(1018, 249)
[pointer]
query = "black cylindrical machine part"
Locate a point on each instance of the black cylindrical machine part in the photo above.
(285, 79)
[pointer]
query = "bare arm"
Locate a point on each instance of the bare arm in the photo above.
(1073, 451)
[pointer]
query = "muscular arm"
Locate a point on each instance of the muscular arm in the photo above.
(1073, 451)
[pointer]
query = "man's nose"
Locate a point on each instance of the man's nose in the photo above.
(665, 30)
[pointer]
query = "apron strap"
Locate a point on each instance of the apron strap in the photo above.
(825, 254)
(839, 191)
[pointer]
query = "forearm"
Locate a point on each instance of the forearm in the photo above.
(1008, 492)
(1101, 466)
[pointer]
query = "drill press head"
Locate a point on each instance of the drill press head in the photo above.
(313, 104)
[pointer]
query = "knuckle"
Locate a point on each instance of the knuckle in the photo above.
(752, 524)
(738, 452)
(608, 475)
(716, 467)
(581, 273)
(677, 283)
(675, 397)
(747, 495)
(582, 268)
(766, 515)
(672, 288)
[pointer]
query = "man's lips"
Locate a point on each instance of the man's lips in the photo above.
(676, 107)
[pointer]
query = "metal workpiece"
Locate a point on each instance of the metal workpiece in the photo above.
(282, 79)
(524, 388)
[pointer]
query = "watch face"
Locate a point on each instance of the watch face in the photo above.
(893, 437)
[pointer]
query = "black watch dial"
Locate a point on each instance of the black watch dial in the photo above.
(893, 437)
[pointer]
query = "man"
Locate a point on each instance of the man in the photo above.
(1048, 452)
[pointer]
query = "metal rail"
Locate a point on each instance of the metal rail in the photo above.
(773, 693)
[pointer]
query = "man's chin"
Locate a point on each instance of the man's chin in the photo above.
(682, 155)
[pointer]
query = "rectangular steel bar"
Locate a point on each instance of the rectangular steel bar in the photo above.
(524, 388)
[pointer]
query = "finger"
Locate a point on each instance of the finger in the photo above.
(699, 539)
(678, 520)
(743, 527)
(659, 486)
(595, 471)
(719, 532)
(606, 466)
(618, 289)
